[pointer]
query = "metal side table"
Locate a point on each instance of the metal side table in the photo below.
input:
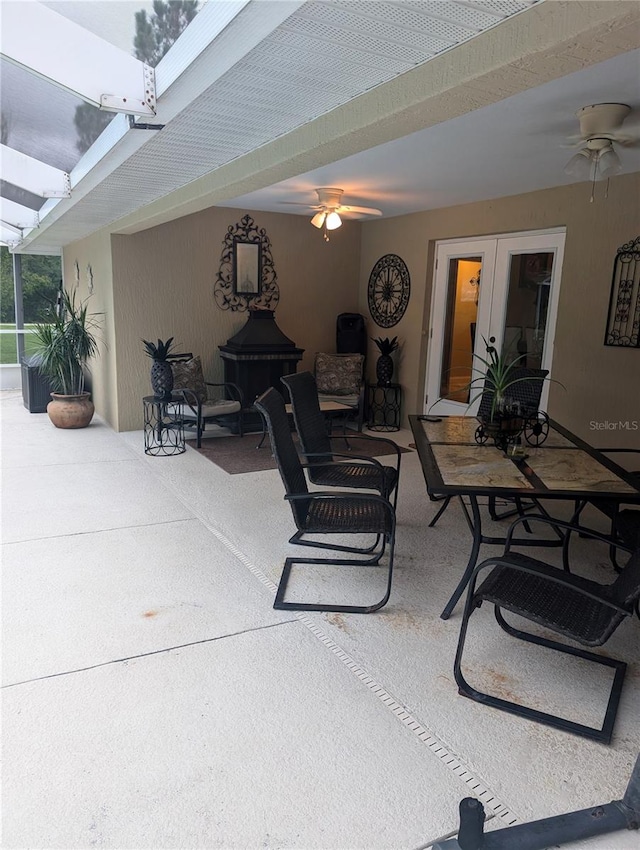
(163, 426)
(383, 406)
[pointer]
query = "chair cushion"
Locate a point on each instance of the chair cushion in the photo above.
(188, 375)
(221, 407)
(339, 374)
(349, 400)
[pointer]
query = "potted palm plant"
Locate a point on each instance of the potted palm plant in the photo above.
(64, 346)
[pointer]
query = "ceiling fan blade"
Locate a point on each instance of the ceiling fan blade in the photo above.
(306, 206)
(364, 210)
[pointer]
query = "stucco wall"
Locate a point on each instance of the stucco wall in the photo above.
(163, 286)
(95, 251)
(602, 383)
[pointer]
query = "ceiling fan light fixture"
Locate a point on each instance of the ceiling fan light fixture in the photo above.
(318, 219)
(333, 221)
(608, 163)
(579, 166)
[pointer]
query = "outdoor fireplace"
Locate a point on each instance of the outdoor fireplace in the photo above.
(257, 357)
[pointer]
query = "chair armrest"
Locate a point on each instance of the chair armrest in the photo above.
(368, 461)
(515, 561)
(557, 523)
(389, 442)
(380, 478)
(341, 495)
(236, 393)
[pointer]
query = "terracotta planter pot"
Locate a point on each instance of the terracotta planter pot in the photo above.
(70, 411)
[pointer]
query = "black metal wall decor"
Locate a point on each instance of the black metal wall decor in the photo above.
(623, 322)
(389, 290)
(247, 278)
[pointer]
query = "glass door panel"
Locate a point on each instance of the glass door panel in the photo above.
(462, 306)
(460, 328)
(528, 289)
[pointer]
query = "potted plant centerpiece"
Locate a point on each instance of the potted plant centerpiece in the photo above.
(64, 346)
(501, 416)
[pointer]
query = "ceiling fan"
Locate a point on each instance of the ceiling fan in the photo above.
(331, 210)
(600, 127)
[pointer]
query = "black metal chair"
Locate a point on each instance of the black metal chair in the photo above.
(326, 513)
(578, 608)
(199, 407)
(316, 443)
(526, 392)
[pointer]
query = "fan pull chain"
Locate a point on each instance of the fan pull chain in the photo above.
(606, 189)
(593, 185)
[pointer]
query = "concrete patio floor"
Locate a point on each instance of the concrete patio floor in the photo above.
(153, 698)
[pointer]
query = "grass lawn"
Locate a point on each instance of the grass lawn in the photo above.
(8, 347)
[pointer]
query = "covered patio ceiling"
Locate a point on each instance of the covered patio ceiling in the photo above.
(259, 102)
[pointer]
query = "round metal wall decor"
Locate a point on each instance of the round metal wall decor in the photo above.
(229, 291)
(389, 290)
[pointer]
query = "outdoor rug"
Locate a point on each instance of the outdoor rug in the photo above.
(239, 454)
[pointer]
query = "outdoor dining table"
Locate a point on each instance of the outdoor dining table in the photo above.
(562, 467)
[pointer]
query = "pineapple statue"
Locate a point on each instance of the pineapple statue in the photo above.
(384, 363)
(161, 372)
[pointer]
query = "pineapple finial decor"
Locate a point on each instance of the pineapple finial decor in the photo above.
(161, 373)
(384, 363)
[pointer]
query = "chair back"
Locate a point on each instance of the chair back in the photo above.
(310, 423)
(271, 406)
(527, 391)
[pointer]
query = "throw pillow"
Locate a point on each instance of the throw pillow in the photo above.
(339, 374)
(187, 374)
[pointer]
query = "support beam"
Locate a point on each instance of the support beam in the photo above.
(58, 50)
(34, 176)
(17, 215)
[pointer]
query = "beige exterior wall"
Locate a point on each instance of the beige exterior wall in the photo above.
(95, 251)
(163, 286)
(602, 383)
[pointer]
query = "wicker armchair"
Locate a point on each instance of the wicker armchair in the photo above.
(568, 604)
(326, 513)
(359, 472)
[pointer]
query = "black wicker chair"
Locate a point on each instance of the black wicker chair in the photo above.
(625, 524)
(526, 391)
(568, 604)
(316, 443)
(326, 513)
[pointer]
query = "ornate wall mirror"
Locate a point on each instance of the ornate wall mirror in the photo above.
(247, 277)
(247, 267)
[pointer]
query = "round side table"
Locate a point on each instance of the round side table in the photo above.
(163, 427)
(383, 407)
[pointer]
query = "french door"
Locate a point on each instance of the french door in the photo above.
(499, 290)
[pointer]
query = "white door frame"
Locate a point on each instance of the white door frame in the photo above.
(496, 251)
